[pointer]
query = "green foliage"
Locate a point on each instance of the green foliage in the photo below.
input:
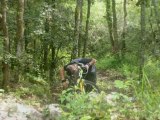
(33, 87)
(146, 91)
(52, 28)
(84, 106)
(152, 70)
(1, 90)
(36, 80)
(108, 62)
(122, 84)
(148, 98)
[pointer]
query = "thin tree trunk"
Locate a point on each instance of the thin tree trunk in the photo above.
(87, 28)
(153, 40)
(80, 29)
(53, 49)
(27, 25)
(53, 63)
(5, 64)
(142, 42)
(20, 28)
(76, 31)
(124, 28)
(1, 28)
(20, 36)
(109, 21)
(155, 3)
(115, 33)
(45, 42)
(157, 16)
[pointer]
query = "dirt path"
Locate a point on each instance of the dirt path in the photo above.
(15, 109)
(107, 78)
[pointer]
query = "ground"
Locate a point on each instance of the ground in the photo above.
(27, 108)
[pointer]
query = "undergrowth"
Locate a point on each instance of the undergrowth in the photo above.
(146, 92)
(32, 90)
(84, 106)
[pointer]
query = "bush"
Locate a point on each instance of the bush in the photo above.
(108, 62)
(35, 88)
(152, 70)
(84, 107)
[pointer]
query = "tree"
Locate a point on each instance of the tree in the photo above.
(155, 3)
(109, 21)
(123, 47)
(76, 29)
(143, 38)
(115, 33)
(112, 25)
(20, 36)
(157, 16)
(46, 38)
(20, 28)
(87, 28)
(80, 29)
(5, 62)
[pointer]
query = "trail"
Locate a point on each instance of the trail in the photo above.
(106, 79)
(16, 109)
(119, 99)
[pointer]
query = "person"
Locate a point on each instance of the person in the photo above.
(72, 69)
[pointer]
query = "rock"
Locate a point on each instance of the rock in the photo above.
(29, 112)
(52, 112)
(111, 99)
(12, 110)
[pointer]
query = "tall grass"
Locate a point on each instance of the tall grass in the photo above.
(146, 91)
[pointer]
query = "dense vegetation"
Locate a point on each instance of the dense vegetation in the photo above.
(37, 37)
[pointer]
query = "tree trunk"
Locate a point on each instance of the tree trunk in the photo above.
(157, 16)
(142, 42)
(123, 48)
(5, 64)
(76, 31)
(155, 3)
(1, 26)
(45, 55)
(20, 36)
(115, 33)
(109, 21)
(153, 40)
(80, 29)
(53, 63)
(87, 28)
(53, 49)
(45, 41)
(27, 25)
(20, 28)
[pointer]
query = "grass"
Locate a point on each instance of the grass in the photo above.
(146, 92)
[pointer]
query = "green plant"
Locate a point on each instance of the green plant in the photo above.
(84, 106)
(1, 90)
(122, 84)
(108, 62)
(152, 71)
(148, 91)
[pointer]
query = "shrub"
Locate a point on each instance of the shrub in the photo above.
(84, 106)
(108, 62)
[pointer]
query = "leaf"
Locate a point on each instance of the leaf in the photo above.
(1, 91)
(86, 118)
(119, 84)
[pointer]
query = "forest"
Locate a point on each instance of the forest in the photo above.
(39, 37)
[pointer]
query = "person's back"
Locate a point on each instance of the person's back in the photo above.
(72, 68)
